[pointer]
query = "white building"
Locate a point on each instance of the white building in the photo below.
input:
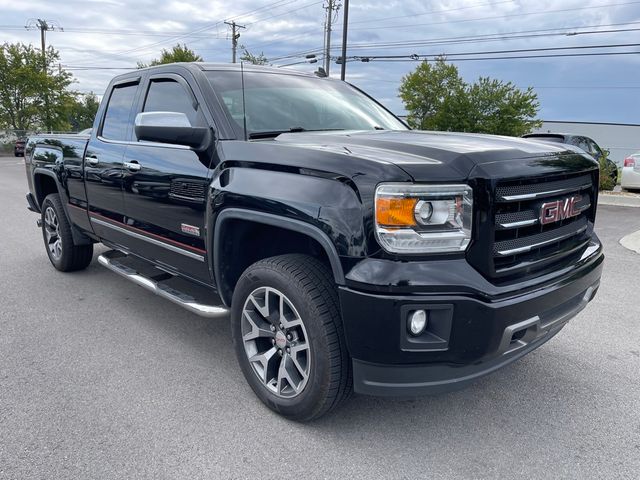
(620, 139)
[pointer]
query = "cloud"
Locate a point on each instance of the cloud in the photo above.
(110, 34)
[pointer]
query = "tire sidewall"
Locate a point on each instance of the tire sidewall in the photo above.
(304, 404)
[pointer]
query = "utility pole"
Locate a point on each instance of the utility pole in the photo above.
(331, 7)
(345, 30)
(44, 26)
(235, 35)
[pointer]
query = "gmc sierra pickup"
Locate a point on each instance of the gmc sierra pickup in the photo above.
(351, 252)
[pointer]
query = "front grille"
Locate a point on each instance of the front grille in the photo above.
(520, 243)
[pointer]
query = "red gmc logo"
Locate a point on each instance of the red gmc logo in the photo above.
(551, 212)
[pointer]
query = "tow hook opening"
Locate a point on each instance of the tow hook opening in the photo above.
(518, 336)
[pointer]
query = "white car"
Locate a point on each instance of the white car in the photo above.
(631, 172)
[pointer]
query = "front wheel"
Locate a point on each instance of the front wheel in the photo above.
(63, 253)
(288, 336)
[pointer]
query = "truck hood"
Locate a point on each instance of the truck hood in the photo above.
(441, 156)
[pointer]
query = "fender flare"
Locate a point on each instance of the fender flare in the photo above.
(298, 226)
(51, 174)
(79, 238)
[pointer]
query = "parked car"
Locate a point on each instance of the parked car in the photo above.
(18, 148)
(348, 252)
(585, 143)
(631, 172)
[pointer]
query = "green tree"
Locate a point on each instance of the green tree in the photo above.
(437, 98)
(178, 53)
(248, 57)
(32, 96)
(429, 93)
(81, 111)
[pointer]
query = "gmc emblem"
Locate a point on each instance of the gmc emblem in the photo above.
(551, 212)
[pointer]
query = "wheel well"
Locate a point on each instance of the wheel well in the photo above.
(246, 242)
(44, 185)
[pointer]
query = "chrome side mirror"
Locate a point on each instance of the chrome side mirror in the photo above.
(173, 128)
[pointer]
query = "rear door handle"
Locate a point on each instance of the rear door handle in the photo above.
(133, 166)
(92, 160)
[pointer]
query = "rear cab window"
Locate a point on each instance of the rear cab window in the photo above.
(115, 125)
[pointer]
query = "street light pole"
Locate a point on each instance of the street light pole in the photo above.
(345, 28)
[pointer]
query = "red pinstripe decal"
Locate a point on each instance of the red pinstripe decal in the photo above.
(149, 234)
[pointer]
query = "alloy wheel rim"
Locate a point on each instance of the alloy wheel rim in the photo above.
(276, 342)
(52, 233)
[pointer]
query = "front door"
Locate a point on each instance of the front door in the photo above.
(165, 187)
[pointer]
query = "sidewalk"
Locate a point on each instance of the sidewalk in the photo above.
(631, 241)
(619, 198)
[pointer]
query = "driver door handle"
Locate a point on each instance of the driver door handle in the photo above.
(92, 160)
(132, 166)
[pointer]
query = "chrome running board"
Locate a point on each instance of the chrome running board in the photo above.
(188, 295)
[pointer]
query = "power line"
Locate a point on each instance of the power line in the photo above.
(519, 57)
(430, 12)
(265, 7)
(288, 12)
(568, 32)
(449, 22)
(102, 31)
(507, 36)
(495, 52)
(189, 34)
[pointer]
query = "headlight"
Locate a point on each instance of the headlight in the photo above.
(423, 218)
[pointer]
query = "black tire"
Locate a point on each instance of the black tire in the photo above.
(310, 288)
(68, 256)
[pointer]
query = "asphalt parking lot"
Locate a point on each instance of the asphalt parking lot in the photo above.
(101, 379)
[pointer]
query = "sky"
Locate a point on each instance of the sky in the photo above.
(99, 39)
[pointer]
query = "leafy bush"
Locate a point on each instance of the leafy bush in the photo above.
(606, 171)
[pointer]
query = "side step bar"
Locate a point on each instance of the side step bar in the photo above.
(156, 281)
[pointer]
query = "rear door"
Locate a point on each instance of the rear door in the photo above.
(165, 186)
(103, 163)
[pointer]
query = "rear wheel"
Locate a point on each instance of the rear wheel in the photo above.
(63, 253)
(288, 336)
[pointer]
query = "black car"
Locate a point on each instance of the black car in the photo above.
(347, 251)
(18, 148)
(585, 143)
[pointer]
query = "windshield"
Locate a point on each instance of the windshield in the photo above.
(278, 103)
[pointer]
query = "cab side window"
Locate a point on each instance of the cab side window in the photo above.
(116, 118)
(594, 150)
(170, 96)
(582, 143)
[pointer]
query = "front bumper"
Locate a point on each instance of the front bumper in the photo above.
(471, 336)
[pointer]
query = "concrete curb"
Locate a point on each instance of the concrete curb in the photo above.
(631, 241)
(618, 200)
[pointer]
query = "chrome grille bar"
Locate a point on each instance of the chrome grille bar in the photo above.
(547, 193)
(528, 248)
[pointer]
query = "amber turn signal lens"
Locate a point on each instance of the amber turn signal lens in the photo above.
(396, 211)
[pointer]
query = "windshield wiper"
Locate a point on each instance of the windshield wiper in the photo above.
(275, 133)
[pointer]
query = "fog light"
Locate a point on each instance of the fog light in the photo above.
(417, 322)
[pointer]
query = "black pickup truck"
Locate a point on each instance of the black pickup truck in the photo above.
(351, 252)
